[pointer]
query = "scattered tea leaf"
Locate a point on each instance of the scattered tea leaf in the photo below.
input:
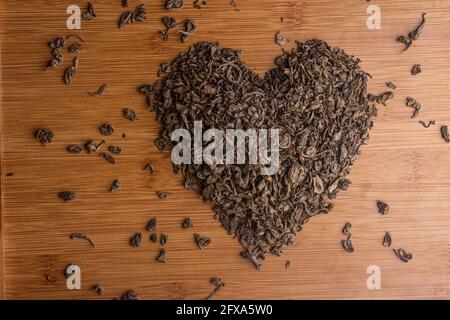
(100, 91)
(115, 186)
(151, 225)
(383, 207)
(74, 148)
(347, 230)
(129, 114)
(402, 254)
(416, 69)
(154, 237)
(387, 240)
(71, 72)
(67, 196)
(427, 124)
(347, 245)
(135, 240)
(174, 4)
(444, 133)
(115, 150)
(98, 288)
(187, 223)
(161, 256)
(80, 236)
(280, 39)
(106, 129)
(129, 295)
(391, 85)
(44, 135)
(163, 239)
(162, 195)
(202, 242)
(108, 158)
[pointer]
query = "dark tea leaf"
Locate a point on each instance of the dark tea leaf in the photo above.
(98, 288)
(387, 240)
(280, 39)
(129, 295)
(108, 157)
(202, 242)
(174, 4)
(80, 236)
(151, 225)
(135, 240)
(347, 230)
(75, 48)
(190, 26)
(115, 150)
(187, 223)
(162, 195)
(91, 146)
(391, 85)
(414, 35)
(416, 69)
(100, 91)
(154, 237)
(427, 124)
(115, 185)
(74, 148)
(67, 196)
(402, 254)
(163, 239)
(347, 245)
(444, 133)
(44, 135)
(89, 13)
(218, 284)
(71, 72)
(106, 129)
(149, 168)
(383, 207)
(161, 256)
(412, 103)
(129, 114)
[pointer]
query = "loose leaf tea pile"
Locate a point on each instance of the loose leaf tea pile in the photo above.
(316, 96)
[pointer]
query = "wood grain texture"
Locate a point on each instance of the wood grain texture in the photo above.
(403, 164)
(2, 248)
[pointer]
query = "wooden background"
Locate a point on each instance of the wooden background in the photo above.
(404, 164)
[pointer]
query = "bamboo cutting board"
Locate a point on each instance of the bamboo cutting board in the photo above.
(403, 164)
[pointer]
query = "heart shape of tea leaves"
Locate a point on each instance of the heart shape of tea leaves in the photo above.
(316, 96)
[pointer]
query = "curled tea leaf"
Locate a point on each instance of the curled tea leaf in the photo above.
(347, 245)
(67, 196)
(280, 39)
(383, 207)
(161, 256)
(174, 4)
(444, 133)
(387, 240)
(403, 255)
(80, 236)
(347, 230)
(44, 135)
(74, 148)
(115, 186)
(100, 91)
(135, 240)
(202, 242)
(187, 223)
(416, 69)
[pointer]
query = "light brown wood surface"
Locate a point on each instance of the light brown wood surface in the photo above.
(403, 163)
